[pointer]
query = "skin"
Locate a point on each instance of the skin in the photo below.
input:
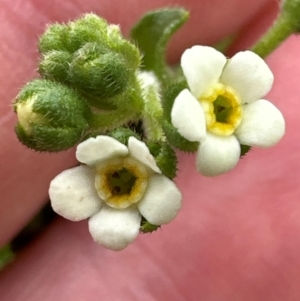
(236, 235)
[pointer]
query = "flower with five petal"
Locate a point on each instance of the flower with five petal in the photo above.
(118, 185)
(223, 107)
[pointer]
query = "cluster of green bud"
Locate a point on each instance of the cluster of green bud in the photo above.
(90, 55)
(89, 82)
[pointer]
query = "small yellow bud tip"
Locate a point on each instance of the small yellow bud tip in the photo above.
(26, 116)
(222, 108)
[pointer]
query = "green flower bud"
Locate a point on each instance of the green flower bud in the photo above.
(52, 117)
(93, 29)
(99, 72)
(55, 37)
(89, 28)
(55, 65)
(120, 45)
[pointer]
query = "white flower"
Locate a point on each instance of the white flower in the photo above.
(223, 108)
(117, 186)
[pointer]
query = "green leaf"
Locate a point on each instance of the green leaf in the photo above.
(152, 34)
(6, 256)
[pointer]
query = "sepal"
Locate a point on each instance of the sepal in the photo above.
(147, 227)
(165, 157)
(244, 149)
(91, 56)
(175, 139)
(123, 134)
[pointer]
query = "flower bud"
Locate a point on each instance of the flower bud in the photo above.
(130, 52)
(99, 72)
(55, 37)
(87, 29)
(93, 29)
(52, 117)
(55, 65)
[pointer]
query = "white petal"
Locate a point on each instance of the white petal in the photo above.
(115, 229)
(187, 116)
(249, 75)
(262, 125)
(161, 202)
(140, 152)
(217, 155)
(202, 67)
(95, 150)
(73, 194)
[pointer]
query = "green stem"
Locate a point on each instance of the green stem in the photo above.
(152, 114)
(153, 127)
(111, 119)
(281, 29)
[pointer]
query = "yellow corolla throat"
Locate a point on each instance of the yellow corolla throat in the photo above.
(222, 108)
(121, 182)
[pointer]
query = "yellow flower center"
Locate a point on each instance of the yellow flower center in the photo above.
(222, 108)
(121, 182)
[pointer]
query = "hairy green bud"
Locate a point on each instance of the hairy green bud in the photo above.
(99, 72)
(89, 28)
(124, 47)
(93, 29)
(52, 117)
(55, 37)
(55, 65)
